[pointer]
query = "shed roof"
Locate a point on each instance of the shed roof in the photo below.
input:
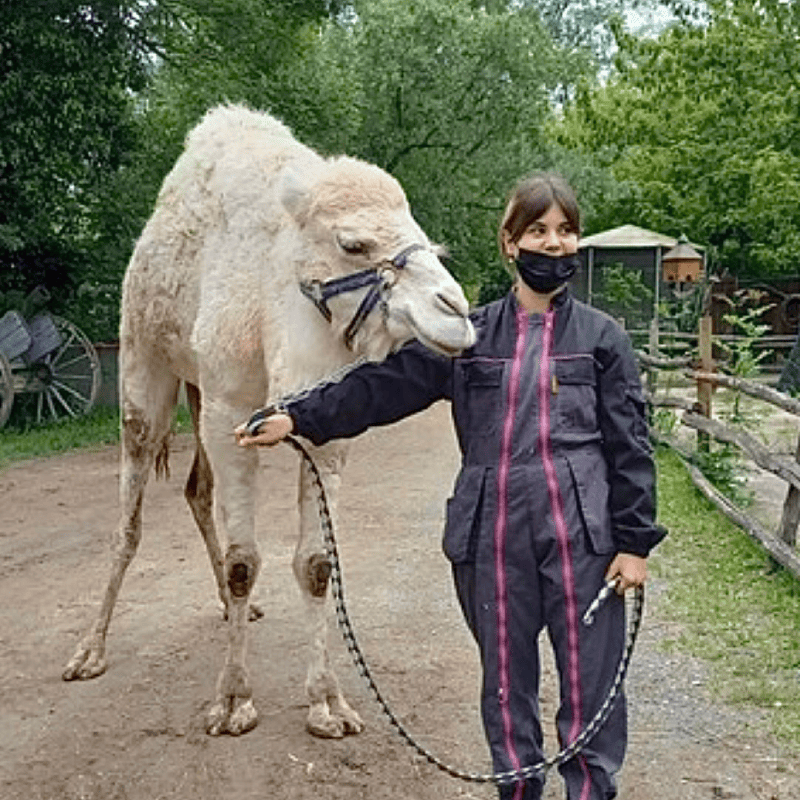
(627, 236)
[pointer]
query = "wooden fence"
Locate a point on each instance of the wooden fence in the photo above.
(696, 365)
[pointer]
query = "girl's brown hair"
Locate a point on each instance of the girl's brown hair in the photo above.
(531, 198)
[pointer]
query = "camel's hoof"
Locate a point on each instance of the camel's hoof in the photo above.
(226, 717)
(329, 724)
(87, 663)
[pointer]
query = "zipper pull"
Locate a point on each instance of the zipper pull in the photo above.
(554, 384)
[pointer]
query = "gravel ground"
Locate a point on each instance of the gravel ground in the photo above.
(137, 733)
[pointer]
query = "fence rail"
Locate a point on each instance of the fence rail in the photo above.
(696, 367)
(674, 344)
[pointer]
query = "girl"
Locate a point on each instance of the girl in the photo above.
(555, 493)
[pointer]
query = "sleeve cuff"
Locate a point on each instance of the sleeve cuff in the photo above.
(638, 541)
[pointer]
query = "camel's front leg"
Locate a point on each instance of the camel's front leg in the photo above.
(235, 469)
(329, 713)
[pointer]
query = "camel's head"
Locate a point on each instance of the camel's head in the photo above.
(369, 266)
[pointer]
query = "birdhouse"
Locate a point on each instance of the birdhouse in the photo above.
(682, 264)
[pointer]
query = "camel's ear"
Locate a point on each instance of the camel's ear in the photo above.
(295, 193)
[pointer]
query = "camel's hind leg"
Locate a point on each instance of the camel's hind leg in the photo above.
(146, 422)
(199, 493)
(329, 714)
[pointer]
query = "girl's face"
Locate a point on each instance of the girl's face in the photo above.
(551, 234)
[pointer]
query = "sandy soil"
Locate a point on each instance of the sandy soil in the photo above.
(137, 733)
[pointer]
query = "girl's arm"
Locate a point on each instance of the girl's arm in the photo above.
(372, 394)
(628, 452)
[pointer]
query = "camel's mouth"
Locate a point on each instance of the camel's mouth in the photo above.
(453, 344)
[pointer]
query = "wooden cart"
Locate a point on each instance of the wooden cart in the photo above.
(52, 361)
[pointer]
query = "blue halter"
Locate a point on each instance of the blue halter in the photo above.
(319, 292)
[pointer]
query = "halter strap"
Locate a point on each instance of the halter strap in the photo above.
(319, 292)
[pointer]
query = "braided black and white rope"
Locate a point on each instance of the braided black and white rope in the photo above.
(348, 634)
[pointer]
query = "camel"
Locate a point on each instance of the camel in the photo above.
(263, 269)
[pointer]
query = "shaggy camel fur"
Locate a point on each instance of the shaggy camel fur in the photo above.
(212, 298)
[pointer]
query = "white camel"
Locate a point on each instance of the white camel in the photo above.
(234, 289)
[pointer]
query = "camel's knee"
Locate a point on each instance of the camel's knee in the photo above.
(314, 573)
(242, 563)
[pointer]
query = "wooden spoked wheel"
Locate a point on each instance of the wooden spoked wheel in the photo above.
(65, 382)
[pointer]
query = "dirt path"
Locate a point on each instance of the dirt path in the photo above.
(137, 732)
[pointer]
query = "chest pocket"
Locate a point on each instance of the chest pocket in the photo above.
(481, 395)
(575, 383)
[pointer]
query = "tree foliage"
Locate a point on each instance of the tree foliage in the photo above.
(451, 96)
(65, 125)
(702, 125)
(452, 102)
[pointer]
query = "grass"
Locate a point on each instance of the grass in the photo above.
(738, 610)
(100, 427)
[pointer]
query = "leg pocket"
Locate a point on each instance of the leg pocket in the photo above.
(464, 511)
(589, 477)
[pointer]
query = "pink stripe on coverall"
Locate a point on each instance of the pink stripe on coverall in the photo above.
(501, 520)
(564, 548)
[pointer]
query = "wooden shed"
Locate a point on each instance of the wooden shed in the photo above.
(634, 248)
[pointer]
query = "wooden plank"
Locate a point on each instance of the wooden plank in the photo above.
(671, 401)
(787, 470)
(751, 388)
(780, 551)
(704, 388)
(663, 363)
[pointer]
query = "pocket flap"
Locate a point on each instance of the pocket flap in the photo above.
(483, 373)
(591, 489)
(464, 511)
(575, 370)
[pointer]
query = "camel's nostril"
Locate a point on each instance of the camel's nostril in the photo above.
(452, 303)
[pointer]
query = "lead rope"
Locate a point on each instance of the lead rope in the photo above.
(346, 628)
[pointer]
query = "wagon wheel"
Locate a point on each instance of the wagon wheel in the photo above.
(67, 380)
(6, 389)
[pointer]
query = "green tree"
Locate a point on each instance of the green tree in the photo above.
(452, 100)
(702, 127)
(65, 126)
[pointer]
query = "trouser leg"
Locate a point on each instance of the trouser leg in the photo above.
(587, 658)
(506, 629)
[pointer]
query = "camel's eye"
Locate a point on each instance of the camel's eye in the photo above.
(354, 246)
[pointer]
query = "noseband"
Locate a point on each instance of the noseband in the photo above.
(380, 279)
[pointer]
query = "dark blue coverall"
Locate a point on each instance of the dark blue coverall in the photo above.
(557, 477)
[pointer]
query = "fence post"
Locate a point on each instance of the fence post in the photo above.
(652, 373)
(704, 388)
(787, 532)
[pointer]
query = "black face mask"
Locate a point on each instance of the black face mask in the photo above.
(545, 273)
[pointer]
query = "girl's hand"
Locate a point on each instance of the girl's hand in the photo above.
(272, 430)
(630, 570)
